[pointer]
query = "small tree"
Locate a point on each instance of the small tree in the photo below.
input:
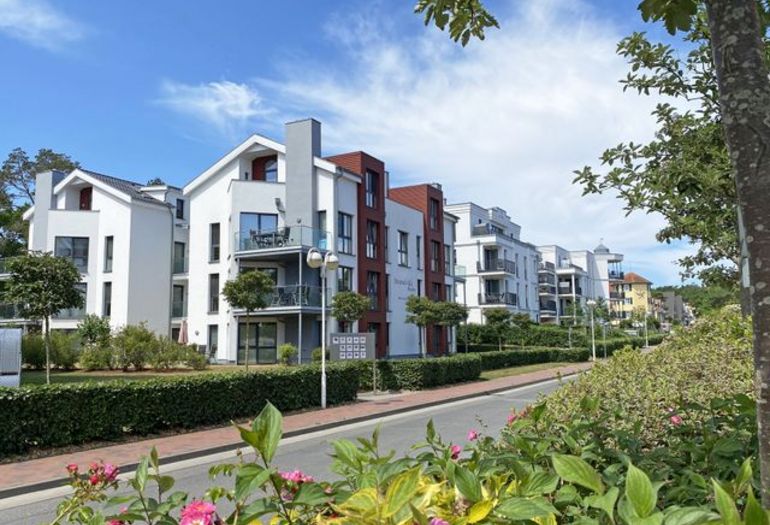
(450, 314)
(94, 330)
(500, 320)
(248, 291)
(349, 307)
(421, 312)
(41, 285)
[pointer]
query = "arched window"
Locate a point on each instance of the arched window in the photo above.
(271, 170)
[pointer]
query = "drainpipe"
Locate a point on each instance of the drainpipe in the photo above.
(171, 269)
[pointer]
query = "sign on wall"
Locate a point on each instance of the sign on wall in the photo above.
(352, 347)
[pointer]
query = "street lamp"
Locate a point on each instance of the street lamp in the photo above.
(326, 263)
(591, 303)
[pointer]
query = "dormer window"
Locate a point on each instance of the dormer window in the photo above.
(264, 169)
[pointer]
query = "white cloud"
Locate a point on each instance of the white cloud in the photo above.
(227, 106)
(38, 23)
(502, 122)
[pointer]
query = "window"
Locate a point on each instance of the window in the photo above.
(436, 292)
(262, 339)
(75, 249)
(322, 221)
(180, 208)
(271, 170)
(374, 328)
(525, 267)
(213, 293)
(448, 293)
(179, 259)
(86, 195)
(436, 340)
(447, 259)
(435, 256)
(371, 185)
(518, 296)
(345, 233)
(517, 265)
(371, 239)
(433, 214)
(372, 289)
(177, 301)
(418, 251)
(76, 313)
(344, 279)
(108, 245)
(213, 340)
(419, 287)
(254, 223)
(403, 248)
(387, 292)
(214, 242)
(107, 300)
(387, 234)
(526, 295)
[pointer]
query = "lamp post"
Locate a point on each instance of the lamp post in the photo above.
(326, 263)
(591, 303)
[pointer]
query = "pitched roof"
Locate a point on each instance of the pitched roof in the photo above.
(130, 188)
(632, 277)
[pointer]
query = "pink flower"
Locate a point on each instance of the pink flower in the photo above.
(115, 522)
(512, 417)
(438, 521)
(94, 479)
(473, 435)
(676, 420)
(296, 476)
(110, 472)
(455, 450)
(72, 468)
(198, 513)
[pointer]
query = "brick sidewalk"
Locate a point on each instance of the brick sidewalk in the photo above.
(45, 471)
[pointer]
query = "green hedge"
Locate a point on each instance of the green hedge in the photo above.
(59, 415)
(529, 356)
(418, 374)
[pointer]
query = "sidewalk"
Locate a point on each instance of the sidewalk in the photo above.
(35, 474)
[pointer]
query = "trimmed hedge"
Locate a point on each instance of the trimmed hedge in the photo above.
(67, 414)
(418, 374)
(529, 356)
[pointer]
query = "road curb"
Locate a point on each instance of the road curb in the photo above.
(131, 467)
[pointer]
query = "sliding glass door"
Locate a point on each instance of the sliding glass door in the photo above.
(262, 339)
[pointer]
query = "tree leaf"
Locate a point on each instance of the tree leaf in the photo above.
(640, 492)
(575, 470)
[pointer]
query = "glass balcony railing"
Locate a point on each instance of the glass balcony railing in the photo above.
(547, 289)
(460, 270)
(548, 306)
(178, 309)
(294, 295)
(497, 265)
(180, 265)
(71, 313)
(546, 267)
(289, 236)
(9, 311)
(617, 275)
(498, 298)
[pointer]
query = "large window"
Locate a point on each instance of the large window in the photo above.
(435, 256)
(373, 289)
(262, 339)
(403, 248)
(371, 185)
(180, 208)
(345, 233)
(214, 242)
(433, 211)
(179, 259)
(107, 300)
(213, 293)
(109, 241)
(371, 239)
(177, 301)
(213, 340)
(447, 259)
(271, 170)
(75, 249)
(344, 279)
(418, 251)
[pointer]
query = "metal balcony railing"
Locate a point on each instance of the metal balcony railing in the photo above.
(294, 295)
(496, 265)
(546, 267)
(617, 275)
(505, 298)
(289, 236)
(547, 288)
(617, 295)
(548, 306)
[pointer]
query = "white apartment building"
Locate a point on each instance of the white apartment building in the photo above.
(567, 279)
(500, 269)
(161, 255)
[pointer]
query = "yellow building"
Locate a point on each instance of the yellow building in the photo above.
(636, 292)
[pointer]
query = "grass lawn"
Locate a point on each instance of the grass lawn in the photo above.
(37, 377)
(517, 370)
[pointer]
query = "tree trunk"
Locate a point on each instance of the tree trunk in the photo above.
(744, 98)
(47, 337)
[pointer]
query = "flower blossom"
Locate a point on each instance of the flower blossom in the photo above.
(296, 476)
(198, 513)
(455, 450)
(472, 435)
(438, 521)
(676, 420)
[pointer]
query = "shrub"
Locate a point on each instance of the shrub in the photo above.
(194, 359)
(95, 357)
(65, 349)
(418, 374)
(315, 355)
(133, 346)
(94, 330)
(529, 356)
(67, 414)
(287, 354)
(164, 354)
(33, 351)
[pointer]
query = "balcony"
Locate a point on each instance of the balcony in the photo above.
(291, 297)
(546, 289)
(496, 265)
(617, 295)
(501, 298)
(282, 239)
(9, 311)
(548, 307)
(546, 278)
(616, 275)
(480, 230)
(71, 313)
(460, 271)
(566, 289)
(180, 265)
(546, 267)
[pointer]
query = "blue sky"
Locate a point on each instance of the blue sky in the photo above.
(162, 89)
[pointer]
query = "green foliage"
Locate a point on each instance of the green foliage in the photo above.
(160, 353)
(287, 354)
(94, 330)
(249, 290)
(419, 374)
(95, 357)
(349, 307)
(465, 18)
(41, 285)
(133, 346)
(65, 349)
(528, 356)
(67, 414)
(420, 311)
(704, 299)
(499, 321)
(33, 351)
(713, 359)
(192, 358)
(315, 355)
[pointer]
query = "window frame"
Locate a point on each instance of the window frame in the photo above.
(371, 188)
(213, 299)
(180, 209)
(83, 269)
(371, 241)
(403, 248)
(109, 248)
(215, 247)
(344, 233)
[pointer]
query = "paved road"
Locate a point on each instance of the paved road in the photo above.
(309, 452)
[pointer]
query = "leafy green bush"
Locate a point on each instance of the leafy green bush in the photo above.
(133, 346)
(65, 349)
(66, 414)
(164, 354)
(33, 351)
(529, 356)
(315, 355)
(192, 358)
(712, 359)
(287, 353)
(94, 330)
(418, 374)
(95, 357)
